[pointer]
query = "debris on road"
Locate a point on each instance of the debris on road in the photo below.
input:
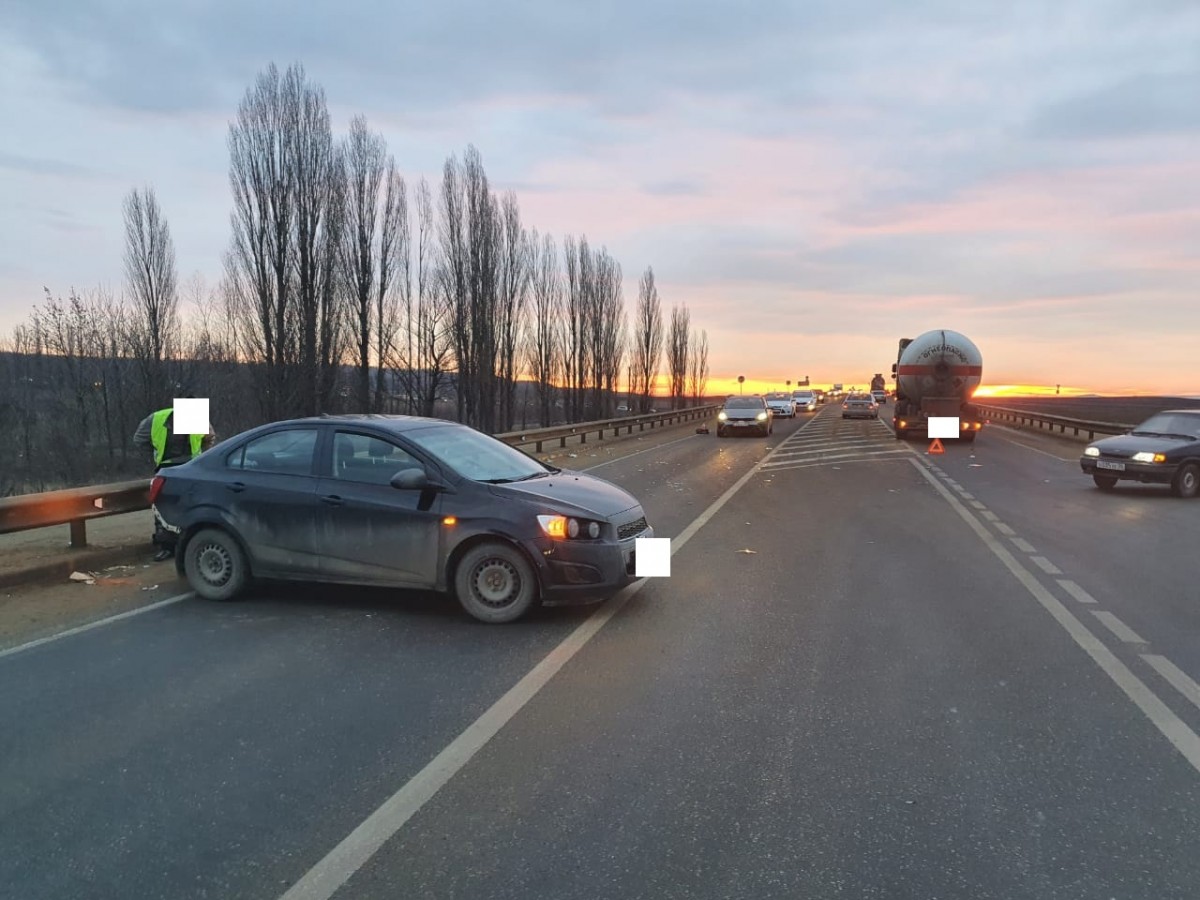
(747, 551)
(84, 577)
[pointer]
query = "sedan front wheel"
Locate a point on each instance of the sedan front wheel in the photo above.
(1186, 483)
(495, 584)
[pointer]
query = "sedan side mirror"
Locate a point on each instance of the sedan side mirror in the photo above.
(412, 480)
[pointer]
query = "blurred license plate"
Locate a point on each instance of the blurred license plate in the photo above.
(740, 424)
(1116, 467)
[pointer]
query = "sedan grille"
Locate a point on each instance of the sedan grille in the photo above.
(632, 528)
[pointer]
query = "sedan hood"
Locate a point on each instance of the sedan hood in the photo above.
(570, 491)
(1128, 444)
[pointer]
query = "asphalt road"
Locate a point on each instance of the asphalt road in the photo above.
(903, 691)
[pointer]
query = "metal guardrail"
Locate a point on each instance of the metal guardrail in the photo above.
(1043, 422)
(75, 506)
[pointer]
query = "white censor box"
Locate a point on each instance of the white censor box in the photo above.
(943, 427)
(652, 557)
(191, 415)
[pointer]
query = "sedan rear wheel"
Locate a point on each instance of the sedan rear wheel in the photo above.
(495, 584)
(215, 565)
(1186, 483)
(1105, 482)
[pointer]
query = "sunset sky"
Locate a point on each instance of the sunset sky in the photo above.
(816, 180)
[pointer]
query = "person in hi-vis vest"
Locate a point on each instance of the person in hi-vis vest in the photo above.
(156, 434)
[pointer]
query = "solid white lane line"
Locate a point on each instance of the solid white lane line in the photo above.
(324, 879)
(1076, 591)
(97, 624)
(1117, 627)
(1023, 545)
(1046, 566)
(1186, 741)
(1173, 674)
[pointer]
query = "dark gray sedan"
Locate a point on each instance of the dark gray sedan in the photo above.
(398, 501)
(1165, 449)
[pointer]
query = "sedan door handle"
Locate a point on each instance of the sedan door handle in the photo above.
(236, 486)
(332, 500)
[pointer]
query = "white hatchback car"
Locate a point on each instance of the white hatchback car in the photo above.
(804, 400)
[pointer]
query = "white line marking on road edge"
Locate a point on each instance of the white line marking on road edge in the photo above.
(1170, 725)
(609, 462)
(328, 876)
(1076, 591)
(79, 629)
(1023, 545)
(1046, 566)
(1117, 627)
(1178, 679)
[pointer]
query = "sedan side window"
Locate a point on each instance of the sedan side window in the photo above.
(369, 460)
(282, 453)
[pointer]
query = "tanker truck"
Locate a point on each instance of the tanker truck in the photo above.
(937, 374)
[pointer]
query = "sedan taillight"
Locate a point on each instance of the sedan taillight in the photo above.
(156, 487)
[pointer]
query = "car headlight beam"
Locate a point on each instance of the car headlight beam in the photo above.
(1091, 451)
(1147, 457)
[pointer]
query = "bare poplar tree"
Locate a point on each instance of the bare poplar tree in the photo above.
(374, 252)
(511, 305)
(545, 324)
(648, 340)
(455, 283)
(152, 283)
(677, 353)
(698, 365)
(430, 334)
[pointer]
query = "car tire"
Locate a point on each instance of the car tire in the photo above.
(1186, 483)
(216, 565)
(1105, 482)
(495, 584)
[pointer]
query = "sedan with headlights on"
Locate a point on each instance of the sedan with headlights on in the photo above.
(781, 405)
(398, 501)
(745, 415)
(1165, 449)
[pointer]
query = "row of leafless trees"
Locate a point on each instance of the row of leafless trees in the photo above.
(343, 291)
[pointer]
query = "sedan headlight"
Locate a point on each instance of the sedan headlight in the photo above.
(762, 417)
(1149, 457)
(568, 527)
(1091, 451)
(721, 417)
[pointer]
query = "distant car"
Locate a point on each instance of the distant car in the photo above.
(820, 395)
(781, 406)
(805, 400)
(398, 501)
(745, 415)
(879, 397)
(860, 406)
(1165, 449)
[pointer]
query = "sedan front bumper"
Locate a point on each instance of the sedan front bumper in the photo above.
(584, 571)
(1146, 473)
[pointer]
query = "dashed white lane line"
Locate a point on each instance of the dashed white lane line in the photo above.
(989, 515)
(1004, 529)
(977, 504)
(1023, 545)
(1174, 676)
(1186, 741)
(1117, 627)
(967, 496)
(1076, 591)
(1045, 565)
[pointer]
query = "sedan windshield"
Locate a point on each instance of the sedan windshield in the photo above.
(1171, 425)
(477, 456)
(744, 403)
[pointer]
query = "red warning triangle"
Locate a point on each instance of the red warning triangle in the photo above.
(936, 446)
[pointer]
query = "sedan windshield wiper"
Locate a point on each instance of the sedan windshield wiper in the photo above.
(534, 475)
(513, 480)
(1147, 434)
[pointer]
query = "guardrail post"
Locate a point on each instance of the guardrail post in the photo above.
(539, 447)
(78, 534)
